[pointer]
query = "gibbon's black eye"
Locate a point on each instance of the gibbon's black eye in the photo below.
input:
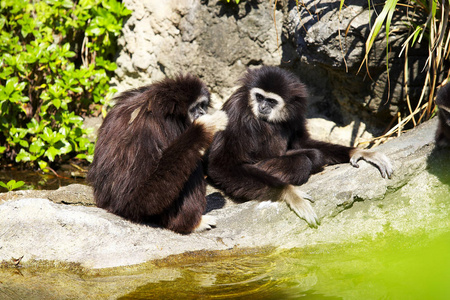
(205, 106)
(259, 97)
(272, 102)
(446, 115)
(197, 111)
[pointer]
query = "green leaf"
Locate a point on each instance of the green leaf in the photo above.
(67, 3)
(15, 185)
(51, 153)
(37, 147)
(388, 10)
(47, 134)
(23, 156)
(42, 165)
(66, 47)
(56, 103)
(23, 143)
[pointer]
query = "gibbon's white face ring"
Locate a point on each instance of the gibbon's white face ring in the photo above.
(277, 114)
(201, 101)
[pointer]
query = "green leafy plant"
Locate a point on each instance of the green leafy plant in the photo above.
(12, 185)
(55, 67)
(428, 21)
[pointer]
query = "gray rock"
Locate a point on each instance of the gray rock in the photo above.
(211, 39)
(326, 46)
(351, 203)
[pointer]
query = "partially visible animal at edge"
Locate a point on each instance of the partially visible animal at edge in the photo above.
(443, 102)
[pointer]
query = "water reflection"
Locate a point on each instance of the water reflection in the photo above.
(35, 180)
(392, 266)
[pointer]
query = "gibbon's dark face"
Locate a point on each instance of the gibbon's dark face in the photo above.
(266, 105)
(198, 108)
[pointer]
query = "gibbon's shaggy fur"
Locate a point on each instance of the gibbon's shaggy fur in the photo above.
(443, 103)
(266, 150)
(147, 164)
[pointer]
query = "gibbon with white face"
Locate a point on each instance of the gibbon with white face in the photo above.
(266, 150)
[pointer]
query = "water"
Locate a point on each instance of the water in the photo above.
(39, 180)
(389, 267)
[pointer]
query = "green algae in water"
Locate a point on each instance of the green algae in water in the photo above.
(393, 266)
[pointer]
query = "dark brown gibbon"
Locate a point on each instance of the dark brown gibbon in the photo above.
(266, 150)
(443, 103)
(148, 158)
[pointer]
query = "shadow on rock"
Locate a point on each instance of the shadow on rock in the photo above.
(438, 163)
(214, 201)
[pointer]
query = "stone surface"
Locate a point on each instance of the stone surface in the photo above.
(211, 39)
(326, 46)
(351, 203)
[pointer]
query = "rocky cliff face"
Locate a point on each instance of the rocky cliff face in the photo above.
(210, 39)
(321, 43)
(331, 41)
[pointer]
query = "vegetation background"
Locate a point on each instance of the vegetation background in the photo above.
(56, 61)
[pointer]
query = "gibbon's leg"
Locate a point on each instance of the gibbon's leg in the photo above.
(255, 183)
(185, 215)
(178, 161)
(296, 200)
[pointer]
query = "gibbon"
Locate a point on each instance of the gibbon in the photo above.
(147, 163)
(443, 103)
(266, 150)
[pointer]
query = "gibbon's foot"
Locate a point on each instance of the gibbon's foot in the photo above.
(206, 223)
(305, 195)
(377, 159)
(296, 200)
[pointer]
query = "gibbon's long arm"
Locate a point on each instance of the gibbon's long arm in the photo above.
(335, 154)
(331, 153)
(181, 158)
(292, 168)
(176, 164)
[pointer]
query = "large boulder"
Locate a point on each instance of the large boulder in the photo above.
(325, 44)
